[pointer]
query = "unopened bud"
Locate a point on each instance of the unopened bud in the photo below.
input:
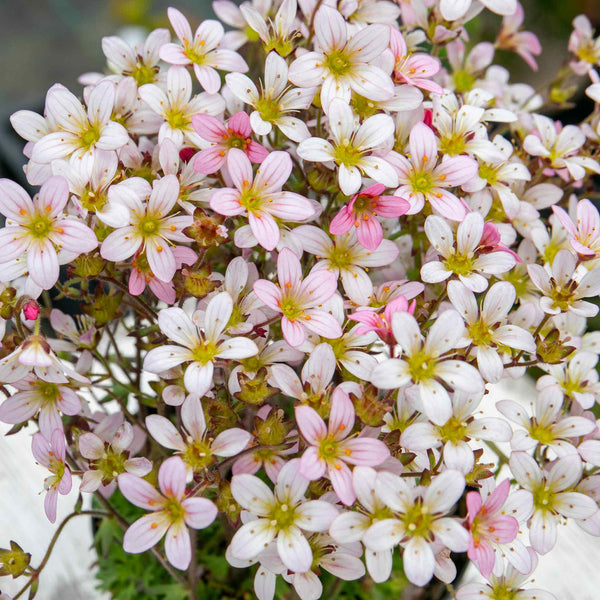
(31, 310)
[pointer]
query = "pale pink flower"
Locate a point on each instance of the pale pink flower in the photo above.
(300, 300)
(39, 229)
(261, 197)
(341, 65)
(469, 258)
(348, 259)
(487, 330)
(42, 398)
(149, 228)
(559, 146)
(329, 449)
(584, 45)
(585, 236)
(275, 102)
(553, 496)
(222, 138)
(423, 363)
(488, 525)
(201, 50)
(381, 322)
(355, 148)
(80, 133)
(548, 426)
(50, 453)
(172, 513)
(362, 212)
(35, 355)
(177, 107)
(422, 179)
(196, 450)
(200, 348)
(418, 520)
(563, 288)
(282, 516)
(141, 274)
(524, 43)
(107, 460)
(413, 69)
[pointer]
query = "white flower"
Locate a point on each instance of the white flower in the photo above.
(201, 349)
(423, 363)
(282, 515)
(353, 148)
(275, 101)
(342, 65)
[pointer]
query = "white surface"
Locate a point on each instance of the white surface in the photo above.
(69, 572)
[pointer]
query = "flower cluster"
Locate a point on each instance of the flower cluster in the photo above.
(303, 251)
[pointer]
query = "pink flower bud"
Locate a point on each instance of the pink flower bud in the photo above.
(31, 310)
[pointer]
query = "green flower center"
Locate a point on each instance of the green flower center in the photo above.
(237, 141)
(283, 516)
(111, 465)
(268, 109)
(149, 226)
(453, 431)
(251, 200)
(541, 434)
(40, 227)
(418, 521)
(421, 366)
(205, 353)
(347, 154)
(198, 455)
(489, 173)
(177, 119)
(453, 145)
(338, 63)
(563, 297)
(144, 74)
(174, 509)
(90, 137)
(49, 391)
(290, 309)
(421, 182)
(194, 56)
(340, 257)
(459, 264)
(363, 107)
(480, 333)
(503, 592)
(543, 498)
(328, 449)
(93, 201)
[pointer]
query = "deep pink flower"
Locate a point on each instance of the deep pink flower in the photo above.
(261, 197)
(172, 513)
(222, 139)
(362, 212)
(330, 450)
(298, 300)
(413, 69)
(488, 526)
(39, 229)
(51, 454)
(381, 323)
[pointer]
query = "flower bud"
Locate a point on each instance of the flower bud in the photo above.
(13, 562)
(31, 310)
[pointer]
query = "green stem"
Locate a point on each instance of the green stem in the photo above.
(36, 572)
